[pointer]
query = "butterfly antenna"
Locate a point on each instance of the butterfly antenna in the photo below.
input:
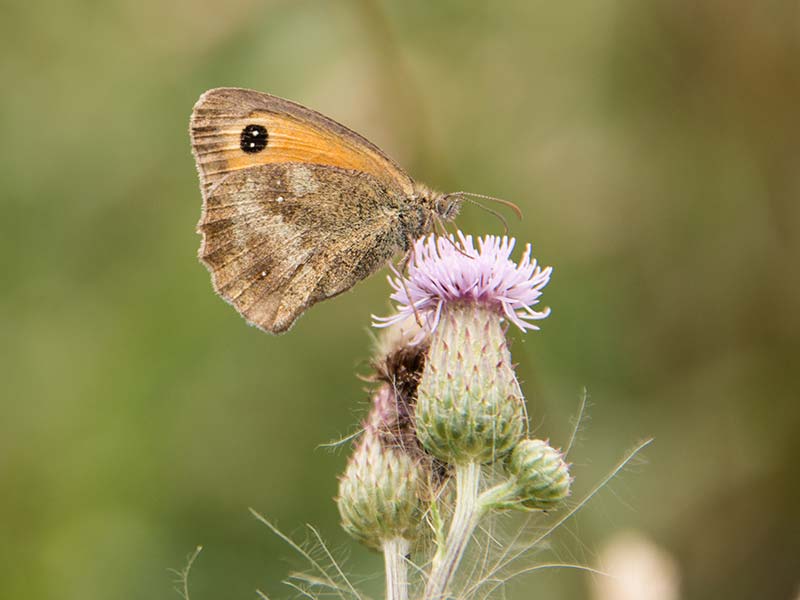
(496, 214)
(507, 203)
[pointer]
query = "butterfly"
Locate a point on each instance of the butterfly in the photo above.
(296, 207)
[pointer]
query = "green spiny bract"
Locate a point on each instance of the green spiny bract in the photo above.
(469, 406)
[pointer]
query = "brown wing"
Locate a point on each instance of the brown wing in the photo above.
(292, 132)
(278, 238)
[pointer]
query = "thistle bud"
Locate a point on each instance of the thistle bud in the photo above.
(469, 404)
(539, 474)
(379, 493)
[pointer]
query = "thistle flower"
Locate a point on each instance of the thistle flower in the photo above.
(469, 406)
(444, 270)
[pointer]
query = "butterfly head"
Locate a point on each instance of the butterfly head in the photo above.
(445, 206)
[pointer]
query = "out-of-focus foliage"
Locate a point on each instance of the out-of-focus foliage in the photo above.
(654, 148)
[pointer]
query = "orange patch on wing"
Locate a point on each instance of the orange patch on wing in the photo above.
(290, 140)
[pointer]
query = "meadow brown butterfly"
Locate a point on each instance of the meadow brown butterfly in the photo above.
(296, 207)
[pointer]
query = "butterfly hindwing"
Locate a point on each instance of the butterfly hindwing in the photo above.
(278, 238)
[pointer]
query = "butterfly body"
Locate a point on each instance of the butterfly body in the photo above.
(296, 207)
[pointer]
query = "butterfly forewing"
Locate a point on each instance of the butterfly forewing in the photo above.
(234, 129)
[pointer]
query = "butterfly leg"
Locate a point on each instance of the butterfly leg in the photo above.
(448, 236)
(403, 266)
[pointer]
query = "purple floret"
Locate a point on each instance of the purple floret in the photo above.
(443, 270)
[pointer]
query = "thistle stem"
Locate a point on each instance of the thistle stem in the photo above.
(394, 556)
(468, 512)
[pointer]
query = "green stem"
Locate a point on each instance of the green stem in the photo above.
(394, 556)
(499, 495)
(468, 512)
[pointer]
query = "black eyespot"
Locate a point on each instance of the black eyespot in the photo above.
(253, 139)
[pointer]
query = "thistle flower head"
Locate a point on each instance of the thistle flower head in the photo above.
(451, 270)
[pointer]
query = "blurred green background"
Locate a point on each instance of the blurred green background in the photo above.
(655, 150)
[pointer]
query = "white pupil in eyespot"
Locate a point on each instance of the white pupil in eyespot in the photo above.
(253, 138)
